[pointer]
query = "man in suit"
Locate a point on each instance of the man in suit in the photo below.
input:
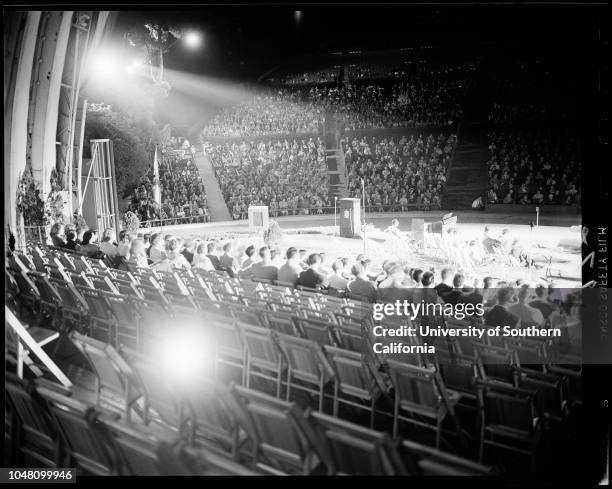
(541, 303)
(214, 259)
(445, 286)
(456, 294)
(499, 315)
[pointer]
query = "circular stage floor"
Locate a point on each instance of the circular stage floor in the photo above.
(316, 233)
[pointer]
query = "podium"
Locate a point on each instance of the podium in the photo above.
(350, 218)
(258, 217)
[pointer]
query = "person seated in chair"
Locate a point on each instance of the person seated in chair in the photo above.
(361, 286)
(264, 269)
(89, 247)
(312, 276)
(57, 235)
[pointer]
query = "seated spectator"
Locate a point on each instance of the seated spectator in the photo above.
(264, 269)
(226, 259)
(88, 247)
(157, 250)
(472, 295)
(137, 254)
(541, 303)
(529, 316)
(456, 295)
(393, 288)
(335, 280)
(123, 248)
(188, 250)
(427, 294)
(250, 259)
(447, 283)
(57, 235)
(291, 269)
(174, 259)
(212, 256)
(71, 242)
(499, 314)
(107, 245)
(312, 276)
(361, 286)
(200, 260)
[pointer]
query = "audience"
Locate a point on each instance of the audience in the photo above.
(533, 168)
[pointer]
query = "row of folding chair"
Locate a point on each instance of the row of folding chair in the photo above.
(54, 429)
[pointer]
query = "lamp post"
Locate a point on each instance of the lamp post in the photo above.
(335, 220)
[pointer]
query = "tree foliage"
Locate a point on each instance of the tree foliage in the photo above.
(131, 143)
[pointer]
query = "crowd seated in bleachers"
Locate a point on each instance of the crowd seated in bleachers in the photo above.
(417, 102)
(399, 172)
(533, 168)
(268, 113)
(327, 75)
(183, 198)
(289, 176)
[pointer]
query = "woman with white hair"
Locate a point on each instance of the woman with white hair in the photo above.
(174, 259)
(200, 260)
(138, 254)
(106, 245)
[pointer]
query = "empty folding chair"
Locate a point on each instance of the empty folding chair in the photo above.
(142, 451)
(127, 328)
(459, 373)
(351, 337)
(551, 393)
(281, 322)
(422, 394)
(212, 417)
(83, 438)
(282, 439)
(509, 419)
(350, 449)
(431, 461)
(307, 366)
(316, 330)
(100, 322)
(50, 300)
(355, 378)
(229, 346)
(264, 358)
(496, 363)
(162, 401)
(116, 387)
(74, 308)
(33, 434)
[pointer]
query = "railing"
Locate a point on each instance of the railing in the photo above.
(172, 221)
(35, 233)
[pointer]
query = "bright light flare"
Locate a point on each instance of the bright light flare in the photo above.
(184, 353)
(193, 39)
(134, 66)
(104, 66)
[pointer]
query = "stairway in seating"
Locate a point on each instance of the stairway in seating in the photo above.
(467, 178)
(214, 197)
(468, 175)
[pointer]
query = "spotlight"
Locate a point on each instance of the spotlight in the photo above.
(104, 66)
(193, 39)
(134, 66)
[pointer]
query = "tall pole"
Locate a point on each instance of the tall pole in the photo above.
(335, 220)
(364, 211)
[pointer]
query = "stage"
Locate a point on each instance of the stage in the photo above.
(318, 234)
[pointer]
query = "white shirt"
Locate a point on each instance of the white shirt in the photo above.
(108, 248)
(527, 314)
